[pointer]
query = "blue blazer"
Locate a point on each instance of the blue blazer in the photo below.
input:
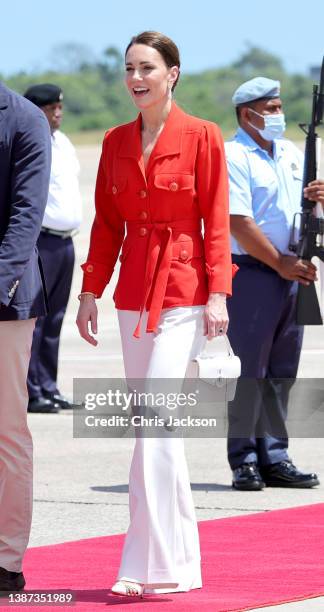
(25, 162)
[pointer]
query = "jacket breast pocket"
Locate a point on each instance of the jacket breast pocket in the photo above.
(175, 183)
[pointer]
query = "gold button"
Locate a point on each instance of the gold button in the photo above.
(173, 186)
(143, 231)
(114, 189)
(143, 193)
(89, 268)
(183, 254)
(143, 215)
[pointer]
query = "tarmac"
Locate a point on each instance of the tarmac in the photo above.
(81, 485)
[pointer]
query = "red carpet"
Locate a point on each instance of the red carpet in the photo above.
(248, 562)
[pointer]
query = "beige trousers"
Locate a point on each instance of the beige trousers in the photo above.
(16, 447)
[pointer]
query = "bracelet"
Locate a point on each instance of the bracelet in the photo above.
(86, 293)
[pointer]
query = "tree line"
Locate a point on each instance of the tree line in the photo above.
(95, 96)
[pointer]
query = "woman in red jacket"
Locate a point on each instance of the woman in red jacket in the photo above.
(160, 176)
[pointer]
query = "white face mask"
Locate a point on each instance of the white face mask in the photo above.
(274, 125)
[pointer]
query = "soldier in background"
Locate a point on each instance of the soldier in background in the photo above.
(61, 220)
(265, 172)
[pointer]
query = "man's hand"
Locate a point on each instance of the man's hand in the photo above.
(315, 191)
(87, 313)
(294, 269)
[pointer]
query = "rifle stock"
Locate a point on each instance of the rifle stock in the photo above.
(308, 310)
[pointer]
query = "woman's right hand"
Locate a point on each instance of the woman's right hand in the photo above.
(87, 313)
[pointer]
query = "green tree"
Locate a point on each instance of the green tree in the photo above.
(95, 96)
(71, 57)
(110, 67)
(255, 61)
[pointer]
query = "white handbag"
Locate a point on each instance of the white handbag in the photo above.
(218, 366)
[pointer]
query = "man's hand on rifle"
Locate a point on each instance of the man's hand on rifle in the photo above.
(294, 269)
(315, 191)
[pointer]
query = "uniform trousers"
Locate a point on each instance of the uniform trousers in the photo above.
(264, 334)
(57, 255)
(16, 447)
(161, 548)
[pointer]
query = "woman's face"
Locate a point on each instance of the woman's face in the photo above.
(147, 76)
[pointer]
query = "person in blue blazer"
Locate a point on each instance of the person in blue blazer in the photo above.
(25, 161)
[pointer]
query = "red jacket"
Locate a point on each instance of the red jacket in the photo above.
(165, 261)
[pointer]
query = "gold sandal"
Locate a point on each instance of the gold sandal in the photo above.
(130, 588)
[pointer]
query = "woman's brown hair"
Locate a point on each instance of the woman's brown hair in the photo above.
(164, 45)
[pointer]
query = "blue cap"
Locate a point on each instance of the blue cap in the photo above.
(259, 87)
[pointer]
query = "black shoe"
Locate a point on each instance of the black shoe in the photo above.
(42, 405)
(11, 581)
(285, 474)
(59, 399)
(247, 478)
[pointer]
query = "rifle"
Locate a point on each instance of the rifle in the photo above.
(311, 229)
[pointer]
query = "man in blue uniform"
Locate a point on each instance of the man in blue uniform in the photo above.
(265, 174)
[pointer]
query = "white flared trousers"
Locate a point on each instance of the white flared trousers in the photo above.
(161, 548)
(16, 447)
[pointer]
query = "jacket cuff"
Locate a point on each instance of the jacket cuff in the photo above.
(7, 294)
(220, 283)
(95, 278)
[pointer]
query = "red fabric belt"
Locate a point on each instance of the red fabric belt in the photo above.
(158, 263)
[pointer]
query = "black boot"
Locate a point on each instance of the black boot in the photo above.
(11, 581)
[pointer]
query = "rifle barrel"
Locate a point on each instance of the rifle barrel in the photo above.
(320, 97)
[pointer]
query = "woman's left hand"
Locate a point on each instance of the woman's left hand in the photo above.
(216, 316)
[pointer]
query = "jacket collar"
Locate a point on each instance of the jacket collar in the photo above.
(168, 143)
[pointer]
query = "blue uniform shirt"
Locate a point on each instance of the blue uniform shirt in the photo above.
(264, 188)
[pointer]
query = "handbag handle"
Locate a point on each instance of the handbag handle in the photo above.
(208, 352)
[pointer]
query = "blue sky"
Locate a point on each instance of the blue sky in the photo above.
(209, 33)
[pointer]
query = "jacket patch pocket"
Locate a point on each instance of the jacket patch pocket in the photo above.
(174, 182)
(186, 251)
(187, 277)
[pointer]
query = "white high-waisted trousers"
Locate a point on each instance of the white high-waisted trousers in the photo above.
(161, 548)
